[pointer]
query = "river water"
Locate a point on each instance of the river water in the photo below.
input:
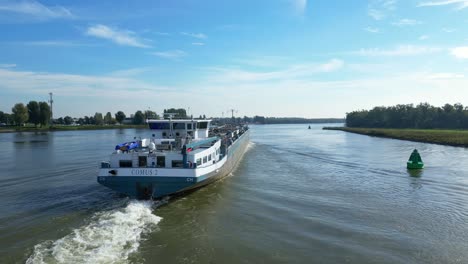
(298, 196)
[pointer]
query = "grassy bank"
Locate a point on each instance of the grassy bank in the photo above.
(457, 138)
(66, 128)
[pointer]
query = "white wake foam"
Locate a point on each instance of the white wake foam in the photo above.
(110, 237)
(250, 146)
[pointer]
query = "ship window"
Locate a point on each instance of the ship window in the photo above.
(178, 125)
(202, 125)
(125, 163)
(205, 159)
(177, 134)
(159, 126)
(209, 157)
(198, 162)
(177, 164)
(189, 126)
(142, 161)
(161, 161)
(164, 134)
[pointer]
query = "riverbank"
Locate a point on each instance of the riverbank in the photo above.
(457, 138)
(66, 128)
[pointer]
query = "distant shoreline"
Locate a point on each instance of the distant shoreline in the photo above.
(456, 138)
(67, 128)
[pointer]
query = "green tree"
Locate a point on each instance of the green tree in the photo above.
(138, 118)
(108, 118)
(44, 113)
(60, 121)
(422, 116)
(151, 114)
(20, 113)
(98, 119)
(120, 116)
(259, 119)
(179, 113)
(33, 112)
(67, 120)
(4, 117)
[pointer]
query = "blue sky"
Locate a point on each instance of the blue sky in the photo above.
(302, 58)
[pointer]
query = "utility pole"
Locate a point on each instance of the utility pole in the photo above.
(51, 101)
(232, 112)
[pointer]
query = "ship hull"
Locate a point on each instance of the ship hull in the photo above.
(147, 186)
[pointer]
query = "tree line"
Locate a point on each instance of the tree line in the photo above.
(39, 113)
(36, 113)
(108, 119)
(423, 116)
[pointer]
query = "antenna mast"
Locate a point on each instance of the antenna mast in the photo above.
(232, 112)
(51, 101)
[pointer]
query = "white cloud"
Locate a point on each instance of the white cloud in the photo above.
(198, 43)
(379, 9)
(449, 30)
(416, 87)
(461, 4)
(170, 54)
(408, 50)
(460, 52)
(372, 30)
(70, 84)
(121, 37)
(79, 95)
(406, 22)
(54, 43)
(376, 14)
(423, 37)
(287, 73)
(300, 6)
(194, 35)
(36, 9)
(7, 65)
(263, 61)
(445, 75)
(332, 65)
(162, 33)
(130, 72)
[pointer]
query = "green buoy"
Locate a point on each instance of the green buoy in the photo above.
(415, 162)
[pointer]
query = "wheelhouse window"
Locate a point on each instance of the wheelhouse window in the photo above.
(177, 164)
(209, 157)
(202, 125)
(199, 162)
(189, 126)
(125, 163)
(142, 161)
(178, 125)
(160, 161)
(205, 159)
(159, 126)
